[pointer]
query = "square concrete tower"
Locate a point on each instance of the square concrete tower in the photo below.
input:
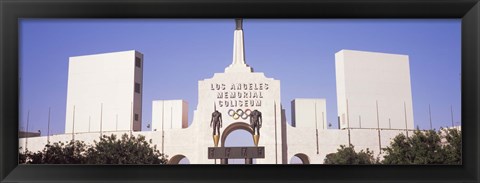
(373, 90)
(309, 113)
(105, 92)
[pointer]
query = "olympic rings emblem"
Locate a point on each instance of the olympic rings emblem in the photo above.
(239, 113)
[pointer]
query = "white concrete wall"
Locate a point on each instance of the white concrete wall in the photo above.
(38, 143)
(302, 140)
(184, 142)
(101, 91)
(365, 78)
(309, 113)
(169, 114)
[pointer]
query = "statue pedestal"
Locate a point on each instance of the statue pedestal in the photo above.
(256, 138)
(215, 140)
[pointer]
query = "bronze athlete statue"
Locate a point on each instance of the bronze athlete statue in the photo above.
(256, 121)
(217, 122)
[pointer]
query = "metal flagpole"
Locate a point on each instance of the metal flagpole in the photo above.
(48, 127)
(73, 129)
(131, 118)
(323, 119)
(348, 125)
(26, 131)
(430, 114)
(316, 126)
(405, 108)
(451, 114)
(360, 121)
(101, 119)
(73, 125)
(378, 129)
(275, 122)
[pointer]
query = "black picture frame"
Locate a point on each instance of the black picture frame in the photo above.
(11, 11)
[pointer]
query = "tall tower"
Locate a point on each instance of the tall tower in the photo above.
(238, 62)
(235, 93)
(105, 92)
(373, 90)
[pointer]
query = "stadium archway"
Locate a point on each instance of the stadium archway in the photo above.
(235, 126)
(303, 158)
(178, 159)
(236, 129)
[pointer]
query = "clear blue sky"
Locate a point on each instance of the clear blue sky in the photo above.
(299, 53)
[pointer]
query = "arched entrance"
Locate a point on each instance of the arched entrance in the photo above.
(238, 134)
(178, 159)
(232, 127)
(300, 158)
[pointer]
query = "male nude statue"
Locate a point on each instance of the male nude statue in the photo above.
(256, 120)
(217, 122)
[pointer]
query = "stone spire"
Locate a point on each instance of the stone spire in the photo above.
(238, 63)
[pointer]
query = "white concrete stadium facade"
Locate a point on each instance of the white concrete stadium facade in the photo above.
(241, 89)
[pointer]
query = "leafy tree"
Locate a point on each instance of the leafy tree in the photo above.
(127, 150)
(22, 156)
(109, 150)
(399, 151)
(453, 150)
(347, 155)
(425, 147)
(57, 153)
